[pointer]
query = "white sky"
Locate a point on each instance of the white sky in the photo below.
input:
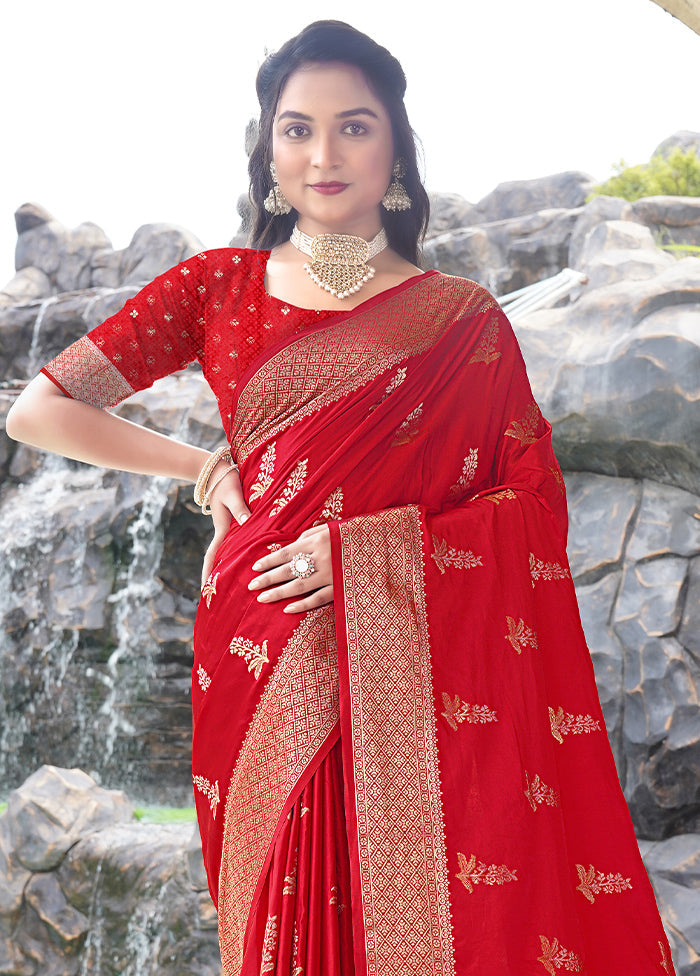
(132, 112)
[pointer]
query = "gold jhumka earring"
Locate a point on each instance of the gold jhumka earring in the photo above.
(275, 202)
(396, 197)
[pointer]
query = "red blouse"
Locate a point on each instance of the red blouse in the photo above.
(212, 308)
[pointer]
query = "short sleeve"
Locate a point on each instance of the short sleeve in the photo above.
(157, 332)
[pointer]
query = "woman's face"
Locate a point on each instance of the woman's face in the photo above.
(333, 149)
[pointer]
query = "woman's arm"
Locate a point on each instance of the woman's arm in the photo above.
(44, 417)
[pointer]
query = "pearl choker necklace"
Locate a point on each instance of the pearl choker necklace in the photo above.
(339, 261)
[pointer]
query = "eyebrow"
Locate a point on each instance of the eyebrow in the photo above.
(341, 115)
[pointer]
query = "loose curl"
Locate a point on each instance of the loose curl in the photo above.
(322, 42)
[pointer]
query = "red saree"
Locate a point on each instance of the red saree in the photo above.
(415, 781)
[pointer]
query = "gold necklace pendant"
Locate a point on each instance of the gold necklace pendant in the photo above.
(339, 261)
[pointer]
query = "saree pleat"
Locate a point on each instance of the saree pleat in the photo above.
(303, 921)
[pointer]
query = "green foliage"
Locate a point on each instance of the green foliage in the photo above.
(675, 175)
(165, 814)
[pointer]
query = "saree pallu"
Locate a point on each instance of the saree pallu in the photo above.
(415, 780)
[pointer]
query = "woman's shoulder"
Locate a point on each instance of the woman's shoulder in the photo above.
(467, 294)
(231, 258)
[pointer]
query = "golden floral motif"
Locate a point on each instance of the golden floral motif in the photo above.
(265, 472)
(210, 790)
(592, 883)
(458, 711)
(333, 900)
(473, 872)
(332, 507)
(393, 384)
(293, 485)
(537, 792)
(254, 654)
(547, 571)
(274, 546)
(290, 880)
(555, 957)
(203, 678)
(525, 429)
(408, 430)
(507, 494)
(558, 477)
(520, 635)
(445, 555)
(566, 723)
(486, 351)
(269, 947)
(468, 471)
(297, 970)
(209, 588)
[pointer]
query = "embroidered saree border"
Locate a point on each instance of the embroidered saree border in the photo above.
(324, 366)
(85, 374)
(297, 711)
(400, 825)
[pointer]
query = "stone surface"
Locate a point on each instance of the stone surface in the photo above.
(673, 867)
(683, 138)
(122, 898)
(50, 811)
(638, 601)
(27, 285)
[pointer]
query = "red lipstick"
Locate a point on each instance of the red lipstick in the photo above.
(329, 188)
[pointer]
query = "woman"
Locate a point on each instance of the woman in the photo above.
(400, 762)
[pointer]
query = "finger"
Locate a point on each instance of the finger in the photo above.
(276, 558)
(317, 599)
(284, 591)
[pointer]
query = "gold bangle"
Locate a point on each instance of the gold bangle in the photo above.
(200, 489)
(206, 503)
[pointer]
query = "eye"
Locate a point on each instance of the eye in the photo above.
(296, 131)
(355, 128)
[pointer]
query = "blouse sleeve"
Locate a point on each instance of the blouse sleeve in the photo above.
(158, 331)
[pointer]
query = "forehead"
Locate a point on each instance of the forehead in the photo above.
(332, 87)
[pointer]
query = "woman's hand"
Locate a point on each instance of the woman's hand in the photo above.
(313, 591)
(226, 503)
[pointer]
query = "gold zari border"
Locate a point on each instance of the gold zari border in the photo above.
(87, 375)
(297, 711)
(401, 838)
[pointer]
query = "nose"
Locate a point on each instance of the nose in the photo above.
(326, 152)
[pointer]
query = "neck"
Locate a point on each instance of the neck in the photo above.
(366, 228)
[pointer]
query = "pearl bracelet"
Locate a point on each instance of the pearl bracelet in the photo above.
(200, 489)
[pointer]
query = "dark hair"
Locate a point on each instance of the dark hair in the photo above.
(326, 41)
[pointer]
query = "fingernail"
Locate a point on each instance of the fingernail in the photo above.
(253, 584)
(243, 518)
(291, 608)
(257, 565)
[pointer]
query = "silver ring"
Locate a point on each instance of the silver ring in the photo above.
(302, 565)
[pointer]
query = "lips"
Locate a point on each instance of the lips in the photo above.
(333, 187)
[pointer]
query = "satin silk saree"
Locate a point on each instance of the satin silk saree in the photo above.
(438, 724)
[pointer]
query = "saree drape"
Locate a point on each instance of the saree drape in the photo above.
(426, 758)
(416, 779)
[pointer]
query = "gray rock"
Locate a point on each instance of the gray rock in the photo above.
(615, 235)
(449, 211)
(596, 501)
(44, 894)
(513, 199)
(27, 285)
(50, 811)
(598, 209)
(610, 266)
(673, 869)
(684, 138)
(63, 255)
(13, 875)
(154, 248)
